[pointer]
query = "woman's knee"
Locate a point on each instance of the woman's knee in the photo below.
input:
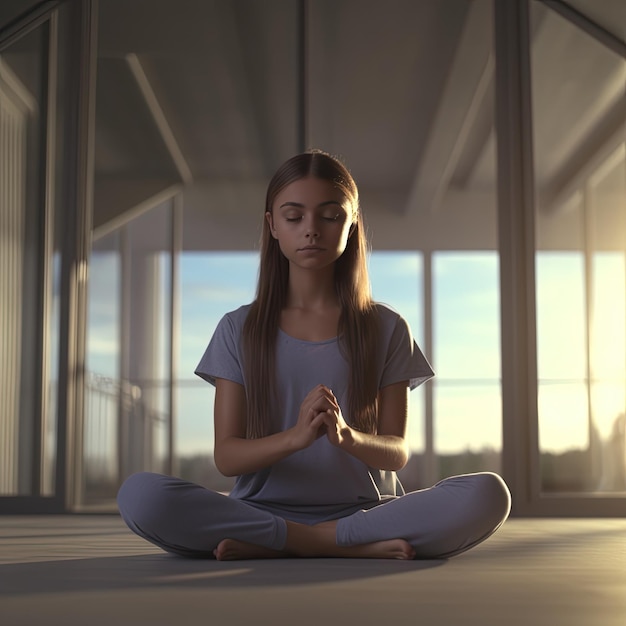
(483, 503)
(485, 493)
(142, 498)
(493, 496)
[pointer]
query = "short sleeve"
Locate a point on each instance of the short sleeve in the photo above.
(404, 360)
(222, 357)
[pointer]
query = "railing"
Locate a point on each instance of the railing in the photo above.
(124, 432)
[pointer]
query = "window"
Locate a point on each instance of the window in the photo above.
(467, 411)
(580, 258)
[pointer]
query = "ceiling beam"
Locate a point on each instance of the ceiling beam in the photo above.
(591, 154)
(16, 86)
(120, 201)
(159, 118)
(468, 80)
(592, 28)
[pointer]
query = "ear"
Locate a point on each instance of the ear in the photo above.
(270, 221)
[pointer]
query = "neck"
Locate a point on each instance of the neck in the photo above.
(312, 289)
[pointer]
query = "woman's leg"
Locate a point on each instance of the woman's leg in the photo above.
(445, 520)
(189, 520)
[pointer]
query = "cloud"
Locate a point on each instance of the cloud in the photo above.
(217, 293)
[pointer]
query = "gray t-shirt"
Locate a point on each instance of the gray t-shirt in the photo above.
(322, 478)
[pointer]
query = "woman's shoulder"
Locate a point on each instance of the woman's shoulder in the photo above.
(387, 314)
(391, 323)
(235, 319)
(239, 314)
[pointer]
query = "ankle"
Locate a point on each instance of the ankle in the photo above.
(311, 541)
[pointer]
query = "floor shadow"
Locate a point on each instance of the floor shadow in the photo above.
(153, 571)
(565, 538)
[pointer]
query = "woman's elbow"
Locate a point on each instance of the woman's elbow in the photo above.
(402, 456)
(395, 462)
(222, 464)
(396, 465)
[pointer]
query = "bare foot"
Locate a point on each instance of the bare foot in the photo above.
(320, 541)
(391, 549)
(233, 550)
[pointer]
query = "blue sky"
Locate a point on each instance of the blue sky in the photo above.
(466, 339)
(213, 284)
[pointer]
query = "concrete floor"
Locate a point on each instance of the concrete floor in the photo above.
(89, 570)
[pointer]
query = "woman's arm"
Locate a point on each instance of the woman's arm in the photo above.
(386, 450)
(235, 455)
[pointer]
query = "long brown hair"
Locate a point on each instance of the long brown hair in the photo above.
(358, 322)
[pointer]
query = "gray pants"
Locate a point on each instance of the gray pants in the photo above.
(187, 519)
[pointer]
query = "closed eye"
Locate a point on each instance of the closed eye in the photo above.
(294, 219)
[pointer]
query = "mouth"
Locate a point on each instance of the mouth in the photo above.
(310, 248)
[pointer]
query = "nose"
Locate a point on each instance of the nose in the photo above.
(312, 231)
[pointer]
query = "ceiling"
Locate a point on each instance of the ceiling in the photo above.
(201, 91)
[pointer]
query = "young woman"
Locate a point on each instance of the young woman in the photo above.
(311, 393)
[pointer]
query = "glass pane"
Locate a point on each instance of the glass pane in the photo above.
(128, 409)
(561, 358)
(561, 321)
(397, 280)
(146, 353)
(467, 315)
(467, 400)
(564, 436)
(103, 390)
(608, 323)
(212, 284)
(468, 431)
(607, 327)
(581, 257)
(22, 264)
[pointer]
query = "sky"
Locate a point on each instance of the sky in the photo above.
(466, 340)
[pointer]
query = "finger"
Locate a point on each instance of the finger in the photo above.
(322, 404)
(314, 396)
(321, 390)
(329, 406)
(330, 396)
(311, 399)
(319, 419)
(328, 392)
(333, 417)
(313, 417)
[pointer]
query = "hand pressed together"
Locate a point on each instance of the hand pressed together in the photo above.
(337, 430)
(320, 415)
(310, 424)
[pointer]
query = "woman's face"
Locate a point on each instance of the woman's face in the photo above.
(311, 219)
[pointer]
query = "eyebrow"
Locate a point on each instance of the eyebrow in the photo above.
(301, 206)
